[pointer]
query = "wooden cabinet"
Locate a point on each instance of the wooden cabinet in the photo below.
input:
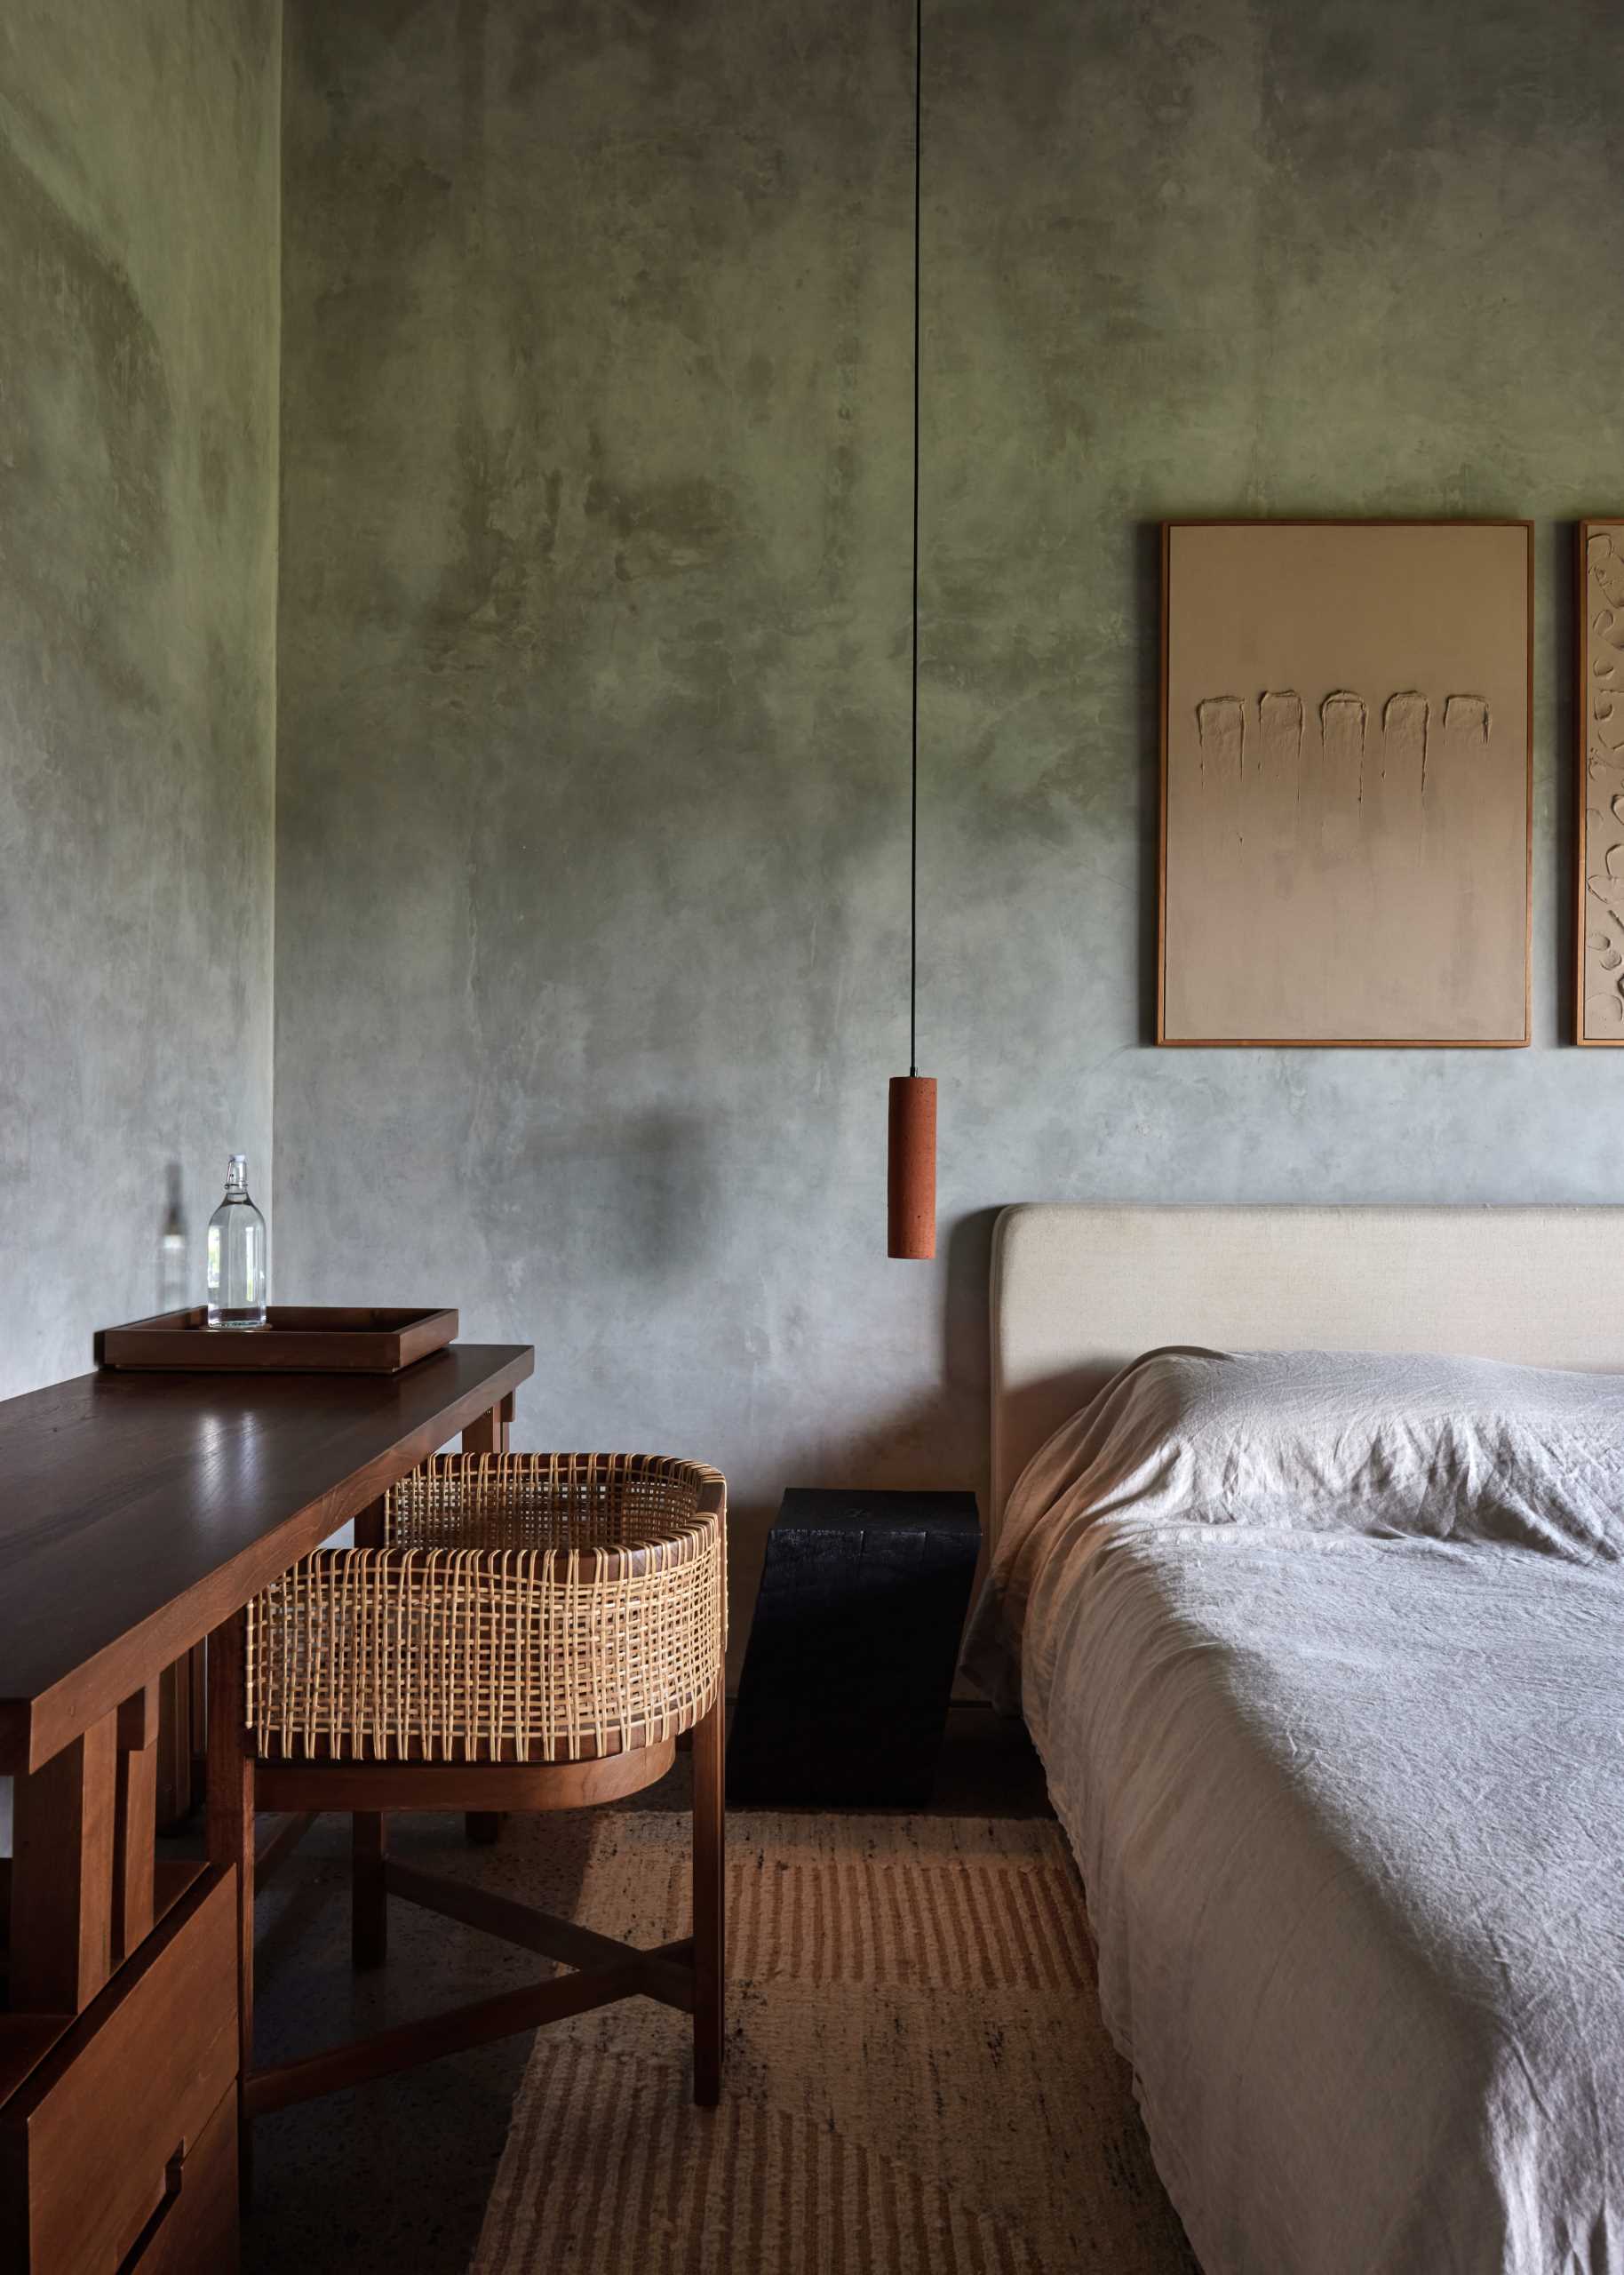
(101, 2146)
(195, 2226)
(138, 1514)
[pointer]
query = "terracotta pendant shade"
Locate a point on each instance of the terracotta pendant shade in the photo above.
(912, 1197)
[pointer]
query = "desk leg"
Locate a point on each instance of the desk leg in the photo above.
(181, 1713)
(64, 1815)
(369, 1898)
(489, 1434)
(135, 1820)
(231, 1833)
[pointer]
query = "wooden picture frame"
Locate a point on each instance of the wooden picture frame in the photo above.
(1442, 855)
(1598, 931)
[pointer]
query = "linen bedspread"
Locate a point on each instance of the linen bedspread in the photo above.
(1345, 1779)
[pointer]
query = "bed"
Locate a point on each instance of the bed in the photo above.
(1347, 1802)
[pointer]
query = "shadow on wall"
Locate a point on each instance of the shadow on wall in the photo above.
(174, 1277)
(1562, 640)
(1148, 616)
(940, 1439)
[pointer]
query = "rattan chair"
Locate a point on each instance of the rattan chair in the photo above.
(511, 1632)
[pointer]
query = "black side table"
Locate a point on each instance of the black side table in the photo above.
(850, 1661)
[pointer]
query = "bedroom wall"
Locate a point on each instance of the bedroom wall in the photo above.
(138, 319)
(592, 799)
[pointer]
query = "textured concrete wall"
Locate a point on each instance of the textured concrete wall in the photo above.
(593, 695)
(138, 323)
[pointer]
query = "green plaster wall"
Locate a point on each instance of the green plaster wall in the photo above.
(139, 323)
(591, 798)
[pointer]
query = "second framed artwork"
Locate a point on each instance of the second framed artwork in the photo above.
(1347, 789)
(1599, 727)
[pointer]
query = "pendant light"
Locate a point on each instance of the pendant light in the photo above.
(912, 1152)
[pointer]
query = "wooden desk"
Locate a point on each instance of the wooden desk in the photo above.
(138, 1514)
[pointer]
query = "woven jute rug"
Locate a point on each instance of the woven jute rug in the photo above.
(917, 2079)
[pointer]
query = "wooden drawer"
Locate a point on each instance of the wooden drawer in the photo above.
(88, 2146)
(193, 2231)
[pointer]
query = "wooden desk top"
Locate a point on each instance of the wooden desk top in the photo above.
(138, 1511)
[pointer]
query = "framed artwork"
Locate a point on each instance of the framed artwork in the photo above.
(1599, 724)
(1347, 783)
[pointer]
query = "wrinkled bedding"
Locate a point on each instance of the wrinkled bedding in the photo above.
(1324, 1657)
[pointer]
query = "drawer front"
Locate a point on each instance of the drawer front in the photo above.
(88, 2145)
(194, 2229)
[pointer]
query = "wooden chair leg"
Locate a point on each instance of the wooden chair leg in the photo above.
(231, 1839)
(368, 1894)
(709, 1935)
(483, 1827)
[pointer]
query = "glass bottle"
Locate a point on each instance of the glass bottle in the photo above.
(239, 1255)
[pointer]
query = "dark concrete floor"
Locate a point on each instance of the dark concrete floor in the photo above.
(393, 2177)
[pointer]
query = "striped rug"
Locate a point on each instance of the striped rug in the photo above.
(917, 2079)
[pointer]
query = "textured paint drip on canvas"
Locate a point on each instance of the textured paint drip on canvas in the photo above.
(1601, 840)
(1347, 783)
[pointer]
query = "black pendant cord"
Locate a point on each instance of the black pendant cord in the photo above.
(914, 769)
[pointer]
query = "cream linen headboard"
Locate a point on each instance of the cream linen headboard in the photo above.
(1079, 1289)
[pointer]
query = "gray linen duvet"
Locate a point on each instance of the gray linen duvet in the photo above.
(1324, 1657)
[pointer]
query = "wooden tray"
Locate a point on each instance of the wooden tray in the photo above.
(315, 1340)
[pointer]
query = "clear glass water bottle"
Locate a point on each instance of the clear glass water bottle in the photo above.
(239, 1255)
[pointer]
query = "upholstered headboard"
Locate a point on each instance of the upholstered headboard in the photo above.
(1079, 1289)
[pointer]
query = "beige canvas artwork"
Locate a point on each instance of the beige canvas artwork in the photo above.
(1601, 782)
(1346, 786)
